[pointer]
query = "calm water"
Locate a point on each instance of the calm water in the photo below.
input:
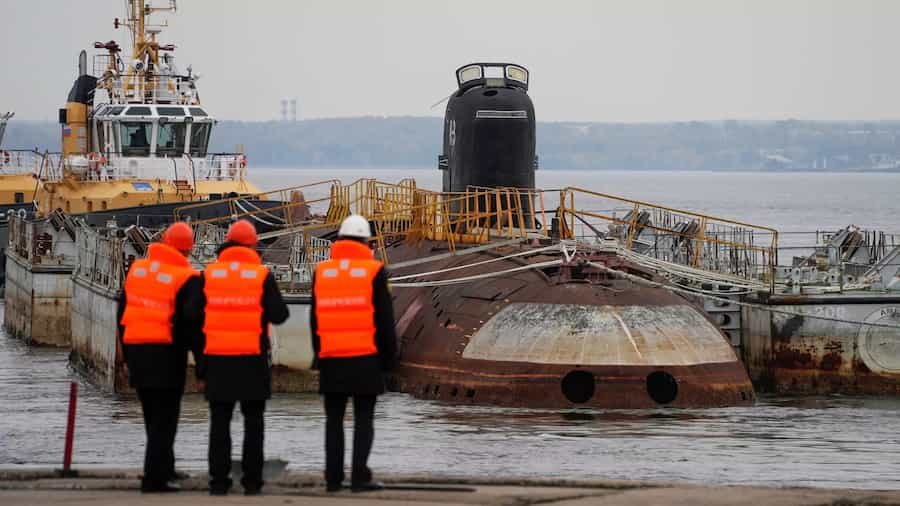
(828, 442)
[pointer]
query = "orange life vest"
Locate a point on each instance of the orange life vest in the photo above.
(150, 289)
(234, 289)
(345, 314)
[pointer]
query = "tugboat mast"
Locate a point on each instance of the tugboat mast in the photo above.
(145, 50)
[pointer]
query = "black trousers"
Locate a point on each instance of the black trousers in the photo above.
(161, 407)
(220, 444)
(363, 436)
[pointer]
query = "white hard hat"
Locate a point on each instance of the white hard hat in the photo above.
(355, 226)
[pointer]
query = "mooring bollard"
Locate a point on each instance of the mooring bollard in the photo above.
(70, 431)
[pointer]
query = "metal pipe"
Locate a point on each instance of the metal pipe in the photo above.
(70, 429)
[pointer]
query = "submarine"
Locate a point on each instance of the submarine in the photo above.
(501, 299)
(531, 319)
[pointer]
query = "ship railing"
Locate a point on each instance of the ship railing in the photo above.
(306, 251)
(117, 165)
(100, 257)
(113, 165)
(32, 243)
(150, 89)
(673, 235)
(20, 161)
(473, 216)
(851, 258)
(223, 167)
(292, 206)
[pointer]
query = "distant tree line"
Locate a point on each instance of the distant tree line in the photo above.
(416, 141)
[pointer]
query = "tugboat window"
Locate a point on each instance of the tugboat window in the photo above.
(199, 138)
(196, 111)
(101, 137)
(170, 111)
(135, 139)
(170, 139)
(20, 198)
(138, 111)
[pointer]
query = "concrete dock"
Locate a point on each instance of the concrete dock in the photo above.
(116, 487)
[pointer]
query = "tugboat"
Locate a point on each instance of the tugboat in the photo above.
(135, 145)
(135, 136)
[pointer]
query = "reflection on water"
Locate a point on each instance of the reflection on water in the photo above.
(834, 442)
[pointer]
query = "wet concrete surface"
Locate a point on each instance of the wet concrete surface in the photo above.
(120, 487)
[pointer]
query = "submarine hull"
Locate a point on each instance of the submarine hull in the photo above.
(543, 339)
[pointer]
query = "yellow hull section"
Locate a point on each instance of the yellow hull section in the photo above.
(17, 185)
(75, 197)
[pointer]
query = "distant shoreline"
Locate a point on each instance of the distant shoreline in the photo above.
(744, 146)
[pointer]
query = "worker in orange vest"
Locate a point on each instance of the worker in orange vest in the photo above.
(155, 333)
(352, 323)
(238, 300)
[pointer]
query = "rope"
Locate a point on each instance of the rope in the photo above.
(467, 251)
(476, 277)
(640, 280)
(466, 266)
(257, 218)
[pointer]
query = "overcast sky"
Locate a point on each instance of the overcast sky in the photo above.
(628, 60)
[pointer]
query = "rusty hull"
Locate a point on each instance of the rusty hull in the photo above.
(560, 337)
(804, 355)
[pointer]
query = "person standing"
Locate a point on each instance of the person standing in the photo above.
(238, 300)
(155, 333)
(352, 327)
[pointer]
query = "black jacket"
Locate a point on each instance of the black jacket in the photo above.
(163, 365)
(361, 375)
(240, 378)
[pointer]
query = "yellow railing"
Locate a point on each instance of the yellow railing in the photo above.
(290, 205)
(403, 212)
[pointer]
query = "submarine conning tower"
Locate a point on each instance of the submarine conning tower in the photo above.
(489, 129)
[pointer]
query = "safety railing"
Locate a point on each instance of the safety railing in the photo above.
(672, 235)
(100, 258)
(20, 161)
(32, 242)
(403, 212)
(307, 250)
(113, 166)
(149, 89)
(850, 258)
(289, 206)
(223, 167)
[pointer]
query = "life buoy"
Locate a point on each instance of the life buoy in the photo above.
(95, 160)
(6, 157)
(243, 161)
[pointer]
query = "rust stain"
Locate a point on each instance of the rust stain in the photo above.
(831, 361)
(793, 359)
(786, 330)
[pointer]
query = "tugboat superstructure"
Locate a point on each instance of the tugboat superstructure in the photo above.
(134, 132)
